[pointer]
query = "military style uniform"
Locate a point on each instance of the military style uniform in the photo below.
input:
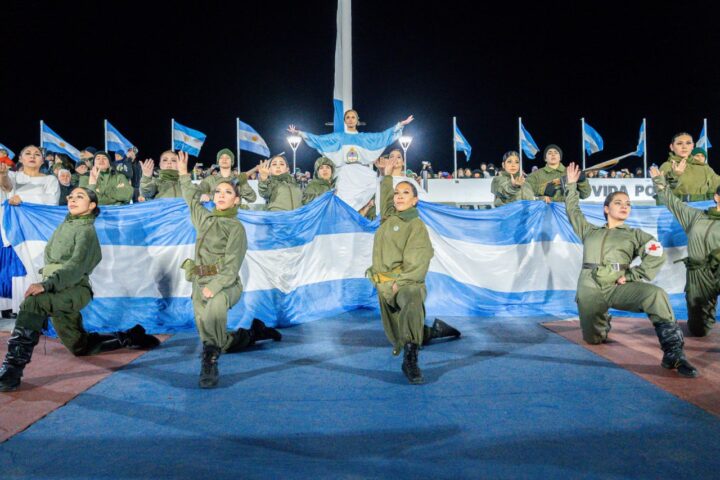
(697, 183)
(111, 188)
(166, 185)
(505, 192)
(208, 184)
(317, 186)
(703, 233)
(281, 193)
(541, 183)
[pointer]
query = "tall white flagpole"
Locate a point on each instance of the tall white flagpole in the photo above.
(172, 134)
(645, 170)
(41, 137)
(582, 141)
(520, 152)
(454, 143)
(105, 125)
(237, 142)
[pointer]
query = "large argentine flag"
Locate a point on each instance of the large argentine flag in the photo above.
(521, 259)
(11, 154)
(250, 140)
(353, 154)
(342, 93)
(592, 139)
(528, 145)
(116, 142)
(53, 142)
(185, 139)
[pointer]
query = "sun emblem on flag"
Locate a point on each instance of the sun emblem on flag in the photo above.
(62, 144)
(254, 138)
(186, 138)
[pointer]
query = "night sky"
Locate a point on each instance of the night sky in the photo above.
(272, 63)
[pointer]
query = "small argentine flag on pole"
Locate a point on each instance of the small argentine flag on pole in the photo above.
(527, 144)
(52, 142)
(185, 139)
(10, 153)
(250, 140)
(592, 141)
(115, 141)
(703, 140)
(461, 144)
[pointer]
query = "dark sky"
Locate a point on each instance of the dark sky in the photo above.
(271, 63)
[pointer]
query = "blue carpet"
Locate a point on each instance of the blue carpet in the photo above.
(508, 400)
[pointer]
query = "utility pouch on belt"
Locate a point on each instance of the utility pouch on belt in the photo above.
(189, 266)
(606, 275)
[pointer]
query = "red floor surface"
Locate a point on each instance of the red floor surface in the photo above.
(634, 346)
(53, 378)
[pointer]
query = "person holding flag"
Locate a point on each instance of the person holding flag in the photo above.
(353, 153)
(689, 178)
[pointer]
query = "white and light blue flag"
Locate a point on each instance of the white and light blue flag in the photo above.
(461, 144)
(342, 92)
(703, 140)
(519, 260)
(528, 145)
(250, 140)
(116, 142)
(592, 139)
(642, 140)
(11, 154)
(186, 139)
(52, 142)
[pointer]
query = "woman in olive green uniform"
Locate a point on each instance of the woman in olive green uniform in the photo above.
(277, 186)
(607, 280)
(689, 177)
(167, 184)
(510, 186)
(702, 264)
(219, 252)
(401, 257)
(324, 180)
(71, 254)
(546, 182)
(112, 188)
(226, 160)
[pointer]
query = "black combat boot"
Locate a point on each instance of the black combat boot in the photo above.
(410, 364)
(209, 374)
(260, 331)
(439, 329)
(20, 348)
(136, 338)
(671, 342)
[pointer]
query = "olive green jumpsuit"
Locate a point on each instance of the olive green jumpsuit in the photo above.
(505, 192)
(317, 186)
(112, 188)
(281, 193)
(167, 185)
(697, 183)
(540, 178)
(208, 184)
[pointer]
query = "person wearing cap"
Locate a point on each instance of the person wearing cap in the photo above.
(323, 181)
(546, 182)
(123, 165)
(112, 188)
(510, 186)
(166, 184)
(702, 264)
(277, 186)
(687, 173)
(609, 278)
(226, 160)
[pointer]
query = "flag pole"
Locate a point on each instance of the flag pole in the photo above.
(454, 143)
(520, 152)
(645, 170)
(172, 134)
(41, 137)
(105, 126)
(237, 142)
(582, 141)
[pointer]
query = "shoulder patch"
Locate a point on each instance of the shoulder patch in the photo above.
(654, 248)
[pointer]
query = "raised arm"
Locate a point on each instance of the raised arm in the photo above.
(572, 203)
(684, 214)
(198, 213)
(148, 187)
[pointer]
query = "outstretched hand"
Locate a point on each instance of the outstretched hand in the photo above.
(655, 172)
(293, 129)
(182, 163)
(147, 167)
(573, 173)
(264, 169)
(679, 167)
(407, 120)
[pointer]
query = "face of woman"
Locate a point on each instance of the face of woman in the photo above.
(278, 166)
(404, 197)
(325, 172)
(102, 162)
(351, 119)
(682, 146)
(512, 165)
(396, 157)
(79, 203)
(168, 161)
(225, 196)
(31, 158)
(552, 158)
(619, 208)
(225, 161)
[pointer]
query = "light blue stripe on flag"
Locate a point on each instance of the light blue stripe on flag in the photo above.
(186, 139)
(529, 147)
(250, 140)
(640, 151)
(461, 144)
(116, 142)
(703, 140)
(592, 139)
(52, 142)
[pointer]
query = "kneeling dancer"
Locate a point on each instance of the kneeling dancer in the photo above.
(607, 280)
(219, 252)
(401, 258)
(71, 254)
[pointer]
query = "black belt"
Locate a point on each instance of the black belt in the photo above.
(615, 266)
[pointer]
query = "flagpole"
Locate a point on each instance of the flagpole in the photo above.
(582, 141)
(41, 137)
(105, 126)
(237, 142)
(645, 170)
(172, 134)
(454, 143)
(520, 152)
